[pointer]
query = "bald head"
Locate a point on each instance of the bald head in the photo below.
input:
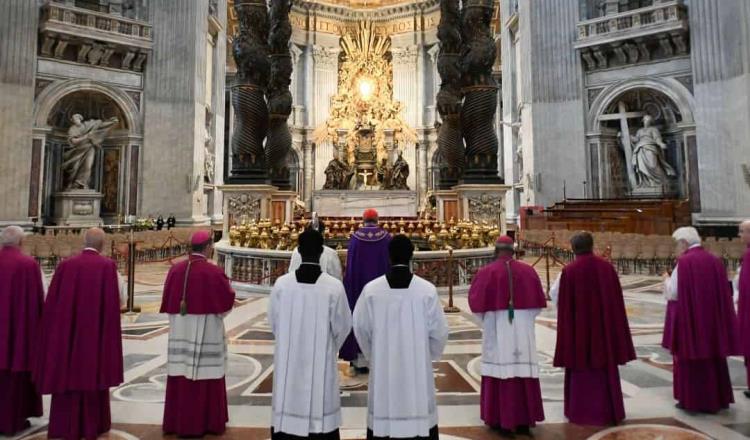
(745, 232)
(11, 236)
(94, 238)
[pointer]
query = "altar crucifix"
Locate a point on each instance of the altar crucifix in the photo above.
(623, 115)
(365, 174)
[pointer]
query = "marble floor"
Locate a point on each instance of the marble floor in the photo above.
(137, 405)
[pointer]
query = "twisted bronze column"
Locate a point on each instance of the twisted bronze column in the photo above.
(279, 141)
(480, 93)
(450, 141)
(250, 49)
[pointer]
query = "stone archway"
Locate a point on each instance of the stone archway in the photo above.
(115, 171)
(614, 121)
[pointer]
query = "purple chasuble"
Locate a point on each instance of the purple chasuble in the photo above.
(705, 325)
(21, 299)
(592, 325)
(743, 308)
(366, 259)
(80, 344)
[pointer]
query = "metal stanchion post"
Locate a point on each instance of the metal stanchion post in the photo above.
(132, 309)
(450, 308)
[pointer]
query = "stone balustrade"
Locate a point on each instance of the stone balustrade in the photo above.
(256, 270)
(664, 17)
(96, 38)
(67, 15)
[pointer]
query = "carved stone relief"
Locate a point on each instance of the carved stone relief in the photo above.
(243, 206)
(485, 207)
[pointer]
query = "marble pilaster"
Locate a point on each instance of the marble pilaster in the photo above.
(176, 112)
(18, 46)
(308, 167)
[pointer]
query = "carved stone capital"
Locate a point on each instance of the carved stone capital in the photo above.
(325, 57)
(405, 56)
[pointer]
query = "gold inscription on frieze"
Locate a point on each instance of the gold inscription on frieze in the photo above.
(326, 26)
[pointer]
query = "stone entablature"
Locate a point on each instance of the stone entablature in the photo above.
(639, 35)
(95, 38)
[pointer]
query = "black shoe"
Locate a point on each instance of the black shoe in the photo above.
(678, 405)
(747, 394)
(523, 430)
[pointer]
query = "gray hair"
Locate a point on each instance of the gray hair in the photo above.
(688, 234)
(94, 238)
(11, 236)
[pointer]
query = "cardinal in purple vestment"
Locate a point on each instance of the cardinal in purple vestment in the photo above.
(593, 337)
(743, 303)
(507, 296)
(705, 326)
(197, 296)
(21, 299)
(366, 259)
(79, 352)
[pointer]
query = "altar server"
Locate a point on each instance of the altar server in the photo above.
(197, 296)
(310, 318)
(593, 336)
(79, 351)
(21, 300)
(400, 326)
(705, 326)
(742, 284)
(329, 260)
(507, 296)
(366, 259)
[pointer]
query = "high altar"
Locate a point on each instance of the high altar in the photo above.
(368, 134)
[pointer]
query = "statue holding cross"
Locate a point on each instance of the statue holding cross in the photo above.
(647, 167)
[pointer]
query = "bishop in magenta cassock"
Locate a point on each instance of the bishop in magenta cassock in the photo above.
(743, 300)
(705, 326)
(507, 296)
(310, 318)
(21, 299)
(366, 259)
(593, 337)
(197, 296)
(400, 326)
(79, 351)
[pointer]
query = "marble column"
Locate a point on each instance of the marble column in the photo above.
(422, 168)
(307, 161)
(405, 78)
(18, 46)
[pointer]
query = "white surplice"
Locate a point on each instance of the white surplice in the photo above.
(310, 323)
(197, 347)
(509, 350)
(401, 331)
(329, 262)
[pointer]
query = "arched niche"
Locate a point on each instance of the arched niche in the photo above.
(115, 171)
(620, 109)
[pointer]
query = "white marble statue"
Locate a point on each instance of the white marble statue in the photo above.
(209, 158)
(649, 163)
(84, 137)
